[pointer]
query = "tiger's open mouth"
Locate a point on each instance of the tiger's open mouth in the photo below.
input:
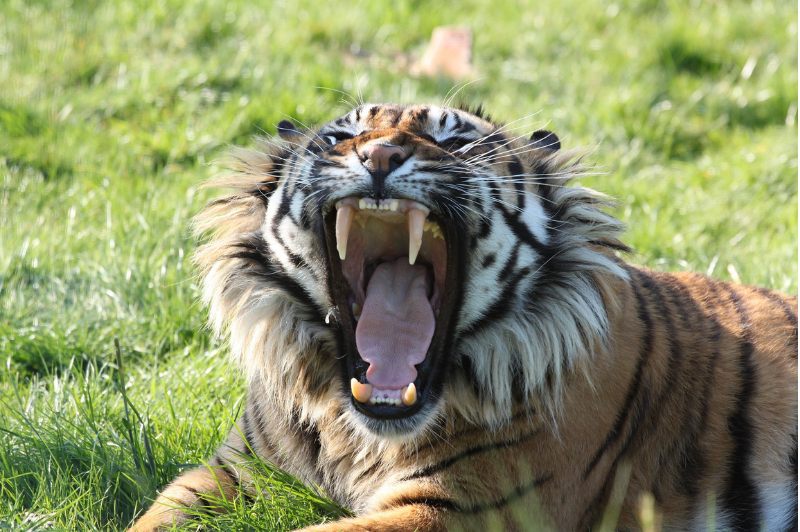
(392, 266)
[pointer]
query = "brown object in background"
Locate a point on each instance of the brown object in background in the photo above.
(449, 53)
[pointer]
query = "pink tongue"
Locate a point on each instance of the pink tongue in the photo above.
(396, 324)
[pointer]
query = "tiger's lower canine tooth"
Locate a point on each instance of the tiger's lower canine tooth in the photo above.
(416, 225)
(409, 395)
(361, 392)
(344, 219)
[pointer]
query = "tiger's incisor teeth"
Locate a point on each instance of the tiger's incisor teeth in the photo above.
(416, 224)
(409, 395)
(361, 392)
(344, 219)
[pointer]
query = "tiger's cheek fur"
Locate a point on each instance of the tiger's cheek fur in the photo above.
(570, 376)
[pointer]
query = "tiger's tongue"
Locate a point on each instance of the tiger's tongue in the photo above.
(396, 324)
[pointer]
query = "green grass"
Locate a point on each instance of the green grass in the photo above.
(110, 113)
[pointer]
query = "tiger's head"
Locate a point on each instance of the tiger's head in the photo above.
(403, 262)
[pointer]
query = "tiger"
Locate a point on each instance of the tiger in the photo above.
(440, 331)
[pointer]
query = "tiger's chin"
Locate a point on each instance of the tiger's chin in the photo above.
(394, 277)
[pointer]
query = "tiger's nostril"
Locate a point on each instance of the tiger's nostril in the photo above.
(382, 157)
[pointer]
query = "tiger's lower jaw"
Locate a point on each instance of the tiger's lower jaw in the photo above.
(393, 270)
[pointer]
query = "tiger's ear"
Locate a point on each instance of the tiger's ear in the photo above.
(286, 130)
(545, 140)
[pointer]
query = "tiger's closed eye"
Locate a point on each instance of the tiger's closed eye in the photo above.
(452, 144)
(335, 138)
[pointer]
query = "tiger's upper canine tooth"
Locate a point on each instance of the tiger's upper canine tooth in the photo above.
(361, 392)
(416, 224)
(344, 219)
(409, 395)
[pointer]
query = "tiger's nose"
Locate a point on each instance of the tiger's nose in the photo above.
(381, 157)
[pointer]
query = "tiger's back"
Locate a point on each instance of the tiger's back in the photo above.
(554, 380)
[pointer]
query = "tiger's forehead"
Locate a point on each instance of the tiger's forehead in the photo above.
(431, 119)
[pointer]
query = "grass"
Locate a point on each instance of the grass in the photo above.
(110, 113)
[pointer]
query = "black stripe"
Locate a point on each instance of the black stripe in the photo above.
(439, 504)
(445, 464)
(261, 426)
(695, 363)
(358, 115)
(225, 200)
(310, 439)
(694, 465)
(616, 246)
(636, 383)
(292, 288)
(224, 467)
(517, 493)
(489, 142)
(593, 507)
(522, 232)
(488, 260)
(368, 471)
(190, 489)
(790, 313)
(472, 379)
(305, 219)
(205, 505)
(473, 509)
(510, 264)
(501, 305)
(675, 359)
(516, 170)
(271, 273)
(315, 148)
(740, 496)
(484, 230)
(422, 116)
(443, 119)
(283, 210)
(234, 478)
(330, 163)
(466, 127)
(640, 410)
(523, 414)
(249, 448)
(373, 111)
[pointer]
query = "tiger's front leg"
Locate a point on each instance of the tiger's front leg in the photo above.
(419, 517)
(197, 491)
(201, 490)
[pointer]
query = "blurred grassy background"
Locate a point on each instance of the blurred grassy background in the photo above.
(111, 111)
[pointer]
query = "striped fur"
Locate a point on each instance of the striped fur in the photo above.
(571, 375)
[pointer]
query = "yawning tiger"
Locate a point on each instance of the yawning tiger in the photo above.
(439, 333)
